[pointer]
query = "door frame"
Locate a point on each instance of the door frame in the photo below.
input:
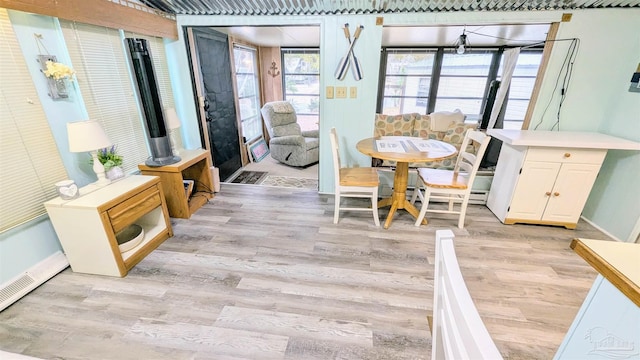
(194, 60)
(194, 57)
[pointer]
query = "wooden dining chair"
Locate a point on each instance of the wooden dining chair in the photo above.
(452, 186)
(457, 331)
(353, 182)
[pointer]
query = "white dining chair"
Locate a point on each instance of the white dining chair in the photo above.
(452, 186)
(457, 331)
(353, 182)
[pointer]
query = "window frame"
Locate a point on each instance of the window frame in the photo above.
(436, 75)
(256, 95)
(299, 50)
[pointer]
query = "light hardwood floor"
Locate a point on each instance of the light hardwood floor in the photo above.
(263, 273)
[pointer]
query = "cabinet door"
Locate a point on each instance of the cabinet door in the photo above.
(570, 192)
(534, 183)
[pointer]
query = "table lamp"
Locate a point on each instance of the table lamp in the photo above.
(173, 124)
(89, 136)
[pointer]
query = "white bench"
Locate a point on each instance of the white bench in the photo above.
(457, 331)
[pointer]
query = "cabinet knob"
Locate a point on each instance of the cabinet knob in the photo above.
(548, 193)
(567, 155)
(556, 194)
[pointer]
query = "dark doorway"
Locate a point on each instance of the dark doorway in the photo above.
(217, 104)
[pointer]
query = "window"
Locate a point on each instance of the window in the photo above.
(102, 69)
(30, 161)
(246, 69)
(407, 81)
(463, 78)
(301, 83)
(435, 79)
(522, 81)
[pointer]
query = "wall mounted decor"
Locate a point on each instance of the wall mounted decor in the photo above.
(273, 71)
(55, 72)
(350, 59)
(56, 84)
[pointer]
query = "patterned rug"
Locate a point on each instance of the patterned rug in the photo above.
(290, 182)
(249, 177)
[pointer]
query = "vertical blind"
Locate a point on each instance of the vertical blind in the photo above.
(29, 160)
(102, 70)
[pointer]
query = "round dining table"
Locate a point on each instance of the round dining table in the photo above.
(404, 150)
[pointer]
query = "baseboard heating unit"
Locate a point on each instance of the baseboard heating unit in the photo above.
(12, 290)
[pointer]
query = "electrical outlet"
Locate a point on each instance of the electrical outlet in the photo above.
(353, 92)
(329, 92)
(341, 92)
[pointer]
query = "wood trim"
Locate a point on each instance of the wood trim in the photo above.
(546, 56)
(244, 150)
(197, 81)
(615, 277)
(128, 16)
(270, 86)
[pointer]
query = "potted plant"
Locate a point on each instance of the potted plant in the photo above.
(111, 161)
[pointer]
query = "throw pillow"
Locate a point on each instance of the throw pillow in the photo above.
(441, 120)
(394, 125)
(455, 133)
(422, 128)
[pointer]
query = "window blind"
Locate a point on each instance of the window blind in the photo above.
(102, 70)
(29, 161)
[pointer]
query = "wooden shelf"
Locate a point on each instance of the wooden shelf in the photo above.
(194, 165)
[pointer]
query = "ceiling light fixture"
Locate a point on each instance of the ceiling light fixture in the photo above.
(462, 43)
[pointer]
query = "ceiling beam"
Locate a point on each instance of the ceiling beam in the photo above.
(123, 15)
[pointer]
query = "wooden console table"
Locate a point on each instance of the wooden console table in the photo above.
(86, 226)
(195, 165)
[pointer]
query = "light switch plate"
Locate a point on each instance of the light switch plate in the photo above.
(353, 92)
(341, 92)
(329, 92)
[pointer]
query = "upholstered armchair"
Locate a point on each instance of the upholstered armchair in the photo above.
(289, 144)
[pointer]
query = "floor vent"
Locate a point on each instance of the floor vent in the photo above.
(35, 276)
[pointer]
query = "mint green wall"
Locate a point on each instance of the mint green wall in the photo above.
(599, 100)
(26, 245)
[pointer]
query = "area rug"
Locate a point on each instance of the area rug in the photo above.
(290, 182)
(249, 177)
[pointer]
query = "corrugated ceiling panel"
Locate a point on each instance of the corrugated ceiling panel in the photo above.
(324, 7)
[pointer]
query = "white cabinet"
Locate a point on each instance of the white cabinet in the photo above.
(545, 177)
(553, 186)
(87, 226)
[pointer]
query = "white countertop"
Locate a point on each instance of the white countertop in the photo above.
(619, 262)
(564, 139)
(92, 195)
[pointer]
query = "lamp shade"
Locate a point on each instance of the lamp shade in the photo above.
(173, 122)
(87, 136)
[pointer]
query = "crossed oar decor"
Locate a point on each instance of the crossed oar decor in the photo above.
(350, 58)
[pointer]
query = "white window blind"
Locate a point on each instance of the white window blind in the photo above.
(102, 70)
(29, 160)
(160, 67)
